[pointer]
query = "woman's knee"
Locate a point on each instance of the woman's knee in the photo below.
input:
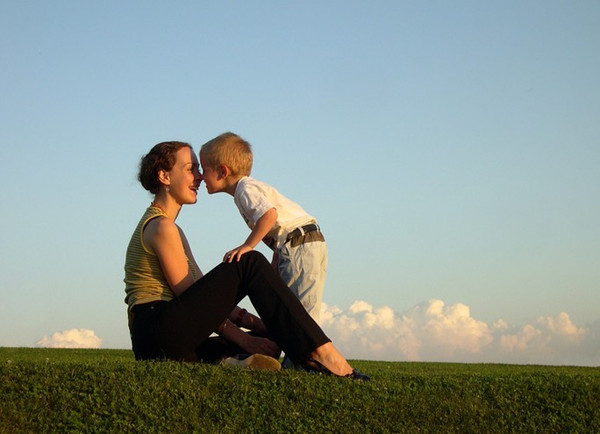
(254, 257)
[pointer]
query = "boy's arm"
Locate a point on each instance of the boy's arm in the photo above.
(261, 229)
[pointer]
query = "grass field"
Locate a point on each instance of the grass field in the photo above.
(52, 390)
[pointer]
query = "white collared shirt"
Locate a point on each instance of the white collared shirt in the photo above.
(254, 198)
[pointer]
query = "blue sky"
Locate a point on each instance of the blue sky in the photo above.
(450, 151)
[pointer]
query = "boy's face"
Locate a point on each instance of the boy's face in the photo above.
(212, 178)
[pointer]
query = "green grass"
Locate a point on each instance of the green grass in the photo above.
(50, 390)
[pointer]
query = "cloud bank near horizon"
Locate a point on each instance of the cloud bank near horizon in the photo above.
(436, 332)
(431, 331)
(72, 338)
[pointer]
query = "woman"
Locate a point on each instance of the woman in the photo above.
(174, 309)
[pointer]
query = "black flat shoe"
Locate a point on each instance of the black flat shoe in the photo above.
(311, 365)
(356, 375)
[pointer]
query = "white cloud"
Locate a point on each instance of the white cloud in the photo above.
(434, 331)
(550, 340)
(73, 338)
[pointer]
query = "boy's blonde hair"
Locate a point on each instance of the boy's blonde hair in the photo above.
(229, 150)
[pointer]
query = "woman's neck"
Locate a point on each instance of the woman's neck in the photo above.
(169, 207)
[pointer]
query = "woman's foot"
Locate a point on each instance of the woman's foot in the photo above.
(328, 356)
(328, 360)
(312, 365)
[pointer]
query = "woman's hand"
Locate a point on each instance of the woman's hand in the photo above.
(251, 344)
(243, 318)
(259, 345)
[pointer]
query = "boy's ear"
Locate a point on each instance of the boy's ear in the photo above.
(224, 171)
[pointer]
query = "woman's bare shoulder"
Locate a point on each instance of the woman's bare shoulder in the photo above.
(160, 229)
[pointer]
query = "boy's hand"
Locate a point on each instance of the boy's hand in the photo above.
(236, 254)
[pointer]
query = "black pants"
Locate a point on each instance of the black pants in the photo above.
(180, 329)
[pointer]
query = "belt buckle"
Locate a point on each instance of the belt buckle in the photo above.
(302, 230)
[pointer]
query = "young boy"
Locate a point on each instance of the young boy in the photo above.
(299, 249)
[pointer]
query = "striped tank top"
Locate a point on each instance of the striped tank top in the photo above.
(144, 279)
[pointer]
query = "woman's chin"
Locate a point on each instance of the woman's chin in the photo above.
(192, 199)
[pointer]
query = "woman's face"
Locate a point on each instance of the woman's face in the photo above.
(185, 177)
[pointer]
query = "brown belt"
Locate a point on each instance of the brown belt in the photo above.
(298, 232)
(304, 234)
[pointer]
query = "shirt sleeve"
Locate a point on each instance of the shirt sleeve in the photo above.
(252, 203)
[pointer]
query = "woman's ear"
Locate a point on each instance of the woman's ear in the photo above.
(163, 177)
